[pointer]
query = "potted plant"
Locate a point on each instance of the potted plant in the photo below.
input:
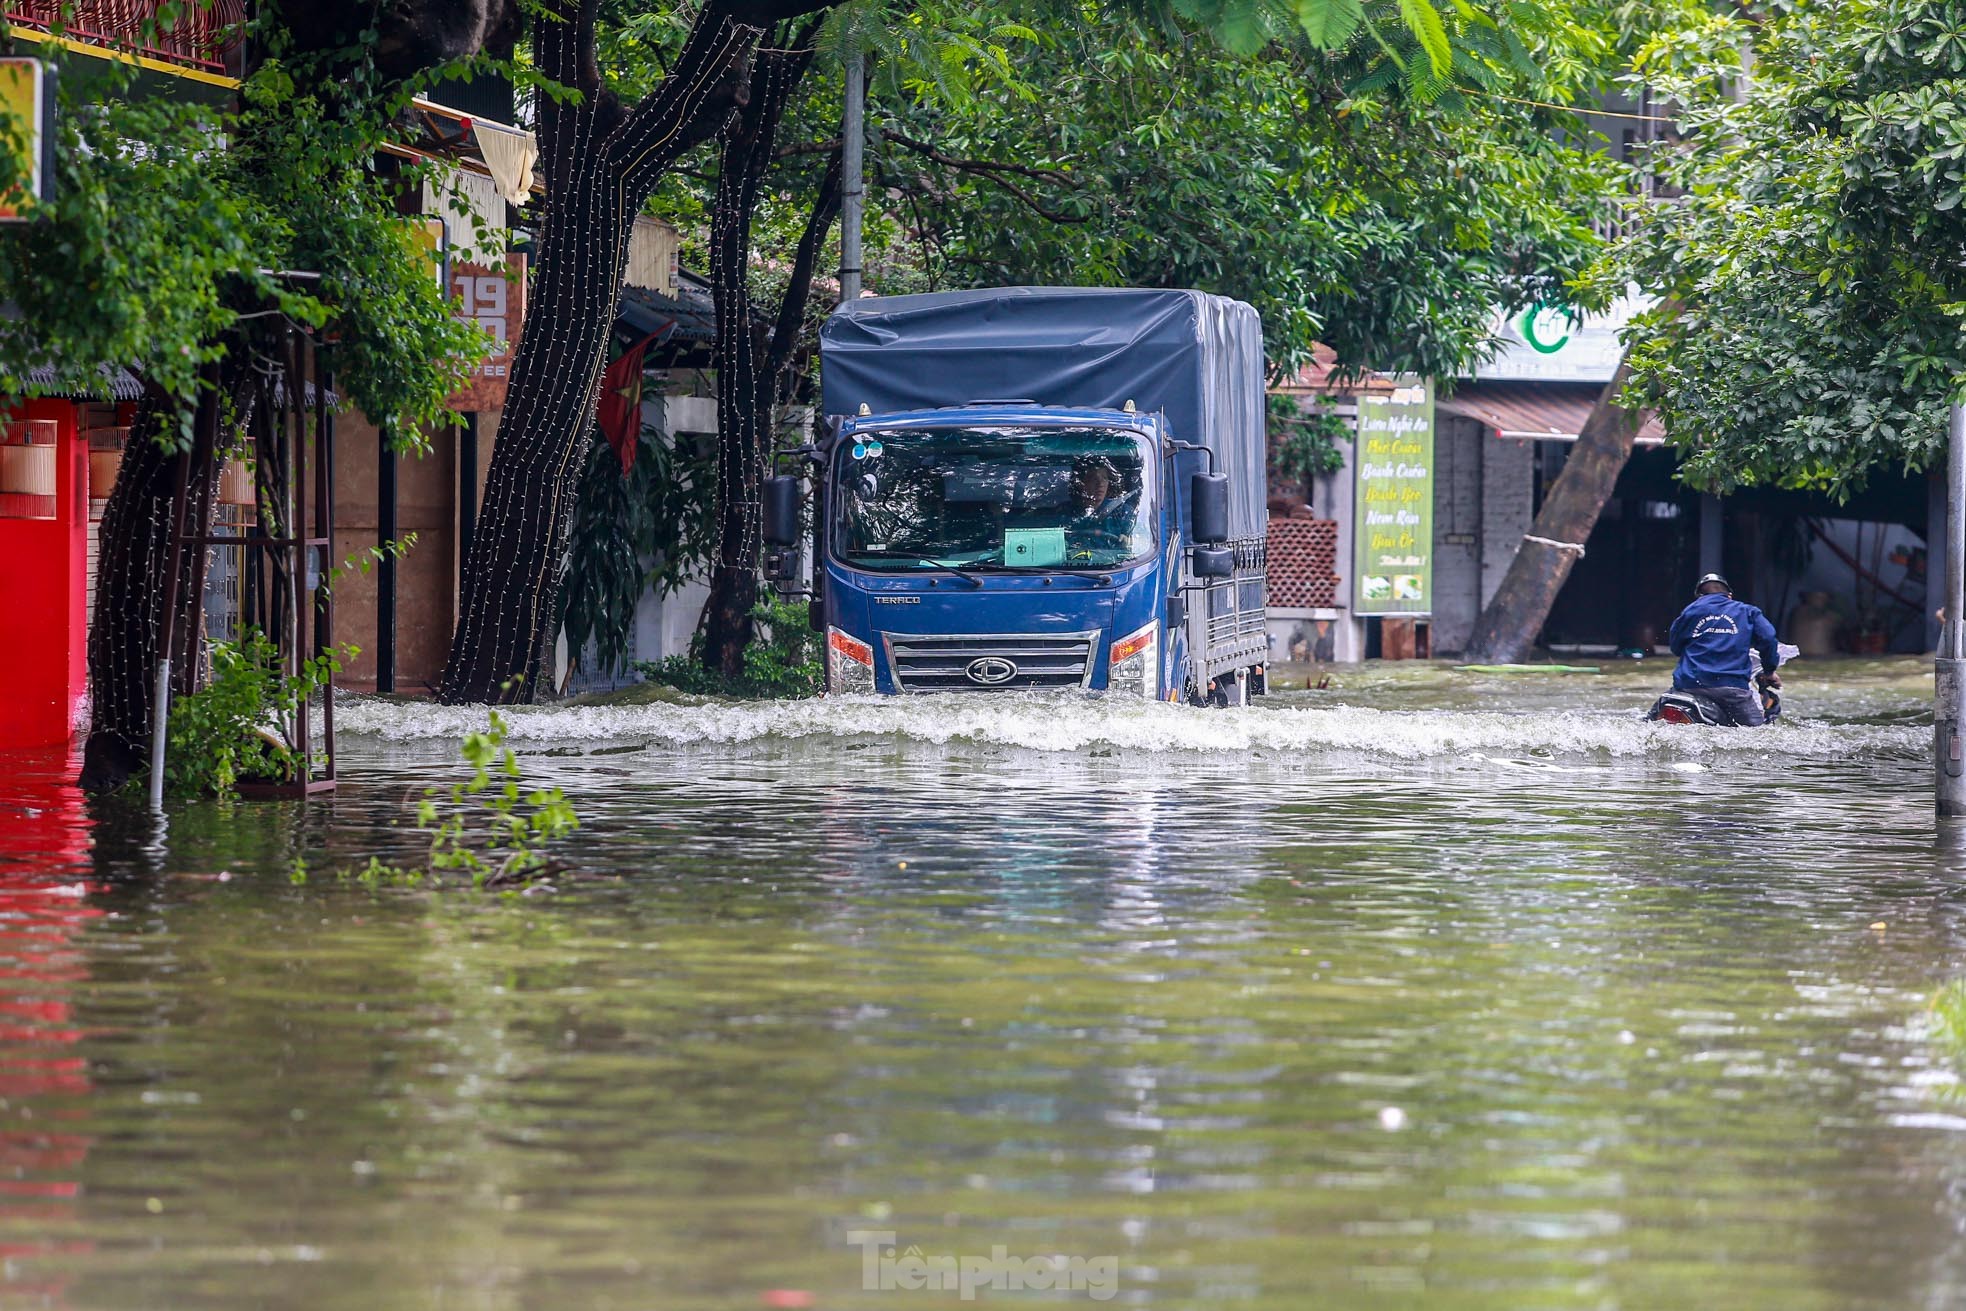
(238, 730)
(1869, 632)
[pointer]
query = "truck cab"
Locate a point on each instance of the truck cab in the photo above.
(996, 546)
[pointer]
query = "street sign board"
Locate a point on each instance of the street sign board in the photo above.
(1393, 507)
(1553, 342)
(494, 298)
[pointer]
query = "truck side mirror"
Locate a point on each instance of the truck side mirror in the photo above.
(781, 509)
(1215, 562)
(1208, 507)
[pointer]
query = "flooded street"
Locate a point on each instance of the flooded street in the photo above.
(1435, 988)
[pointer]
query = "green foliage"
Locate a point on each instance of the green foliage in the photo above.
(1949, 1024)
(489, 831)
(784, 661)
(158, 250)
(1305, 445)
(1346, 211)
(650, 527)
(365, 560)
(237, 727)
(1814, 292)
(517, 824)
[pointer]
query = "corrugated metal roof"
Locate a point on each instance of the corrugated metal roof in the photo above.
(1538, 411)
(646, 311)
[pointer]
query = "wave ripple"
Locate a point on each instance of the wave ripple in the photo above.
(1072, 724)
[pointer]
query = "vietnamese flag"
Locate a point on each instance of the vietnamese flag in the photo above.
(620, 409)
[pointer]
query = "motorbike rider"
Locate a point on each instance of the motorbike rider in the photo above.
(1713, 638)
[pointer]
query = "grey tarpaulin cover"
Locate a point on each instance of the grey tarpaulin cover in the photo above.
(1196, 358)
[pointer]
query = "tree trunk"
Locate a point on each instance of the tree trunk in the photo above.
(745, 382)
(754, 370)
(133, 558)
(602, 163)
(1510, 623)
(509, 606)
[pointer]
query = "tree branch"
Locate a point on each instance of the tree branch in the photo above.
(808, 148)
(1053, 175)
(792, 310)
(764, 13)
(990, 172)
(711, 78)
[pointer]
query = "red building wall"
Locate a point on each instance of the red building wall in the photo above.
(43, 580)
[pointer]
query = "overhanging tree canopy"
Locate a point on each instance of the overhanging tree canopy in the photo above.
(1815, 251)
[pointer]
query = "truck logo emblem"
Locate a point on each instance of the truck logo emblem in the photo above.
(989, 671)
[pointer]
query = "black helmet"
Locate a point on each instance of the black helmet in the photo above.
(1700, 588)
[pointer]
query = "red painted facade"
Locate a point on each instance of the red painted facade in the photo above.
(43, 590)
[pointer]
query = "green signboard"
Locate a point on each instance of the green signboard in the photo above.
(1393, 510)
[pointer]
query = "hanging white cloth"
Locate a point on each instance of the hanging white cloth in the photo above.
(510, 154)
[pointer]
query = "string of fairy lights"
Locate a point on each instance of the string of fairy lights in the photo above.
(525, 520)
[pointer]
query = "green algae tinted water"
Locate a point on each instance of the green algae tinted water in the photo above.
(1426, 990)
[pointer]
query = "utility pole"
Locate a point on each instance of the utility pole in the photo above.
(853, 181)
(1949, 681)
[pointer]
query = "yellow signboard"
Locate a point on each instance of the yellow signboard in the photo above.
(27, 132)
(433, 238)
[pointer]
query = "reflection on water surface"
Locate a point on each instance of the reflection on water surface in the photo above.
(1430, 989)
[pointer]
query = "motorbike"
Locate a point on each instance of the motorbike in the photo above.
(1681, 706)
(1684, 706)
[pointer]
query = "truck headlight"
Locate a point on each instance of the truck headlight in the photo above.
(1135, 662)
(849, 663)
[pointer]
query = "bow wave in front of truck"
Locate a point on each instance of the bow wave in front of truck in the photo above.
(1035, 487)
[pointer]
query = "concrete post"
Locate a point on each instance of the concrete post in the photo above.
(1935, 554)
(1710, 536)
(1949, 681)
(853, 180)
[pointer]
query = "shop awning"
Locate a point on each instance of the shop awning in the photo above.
(1535, 411)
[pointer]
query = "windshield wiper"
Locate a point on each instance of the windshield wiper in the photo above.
(1091, 575)
(903, 556)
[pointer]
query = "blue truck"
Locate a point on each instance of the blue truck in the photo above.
(1035, 487)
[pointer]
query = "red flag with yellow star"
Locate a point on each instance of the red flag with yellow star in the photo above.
(620, 409)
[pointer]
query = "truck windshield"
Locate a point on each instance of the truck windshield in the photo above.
(993, 498)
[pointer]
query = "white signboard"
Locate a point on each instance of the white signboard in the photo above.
(1555, 343)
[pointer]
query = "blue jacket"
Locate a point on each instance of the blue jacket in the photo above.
(1712, 638)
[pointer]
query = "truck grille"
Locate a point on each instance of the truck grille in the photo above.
(989, 663)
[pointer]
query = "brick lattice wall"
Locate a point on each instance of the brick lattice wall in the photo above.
(1303, 563)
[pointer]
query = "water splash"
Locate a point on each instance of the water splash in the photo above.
(1075, 724)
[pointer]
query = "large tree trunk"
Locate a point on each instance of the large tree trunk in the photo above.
(1508, 626)
(602, 163)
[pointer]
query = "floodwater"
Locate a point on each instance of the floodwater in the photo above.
(1425, 989)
